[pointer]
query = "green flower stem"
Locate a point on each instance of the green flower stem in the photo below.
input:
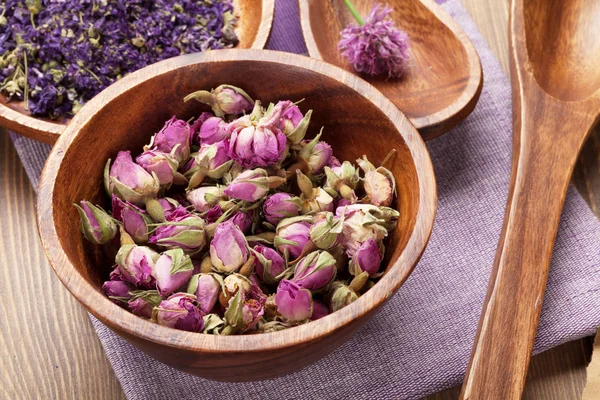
(355, 13)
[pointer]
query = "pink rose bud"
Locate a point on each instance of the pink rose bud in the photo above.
(340, 179)
(316, 154)
(380, 186)
(143, 302)
(96, 225)
(207, 288)
(363, 222)
(163, 165)
(211, 161)
(292, 235)
(334, 163)
(225, 99)
(313, 199)
(130, 181)
(181, 230)
(172, 270)
(135, 222)
(256, 144)
(250, 185)
(213, 130)
(290, 117)
(243, 221)
(269, 265)
(315, 271)
(367, 258)
(205, 197)
(293, 302)
(340, 296)
(117, 290)
(168, 204)
(228, 249)
(196, 125)
(179, 311)
(326, 232)
(320, 310)
(173, 138)
(279, 206)
(136, 263)
(213, 214)
(252, 312)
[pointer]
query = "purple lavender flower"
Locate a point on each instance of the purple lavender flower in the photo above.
(375, 46)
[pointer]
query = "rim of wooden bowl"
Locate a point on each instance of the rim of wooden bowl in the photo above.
(46, 131)
(126, 322)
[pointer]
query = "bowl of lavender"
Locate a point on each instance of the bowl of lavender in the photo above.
(57, 55)
(237, 214)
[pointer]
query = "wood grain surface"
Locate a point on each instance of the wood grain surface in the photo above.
(83, 371)
(443, 80)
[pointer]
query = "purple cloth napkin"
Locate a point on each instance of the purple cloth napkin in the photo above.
(419, 343)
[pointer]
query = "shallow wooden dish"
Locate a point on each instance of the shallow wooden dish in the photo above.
(444, 79)
(357, 120)
(253, 30)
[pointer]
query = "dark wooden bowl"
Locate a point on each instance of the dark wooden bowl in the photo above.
(253, 29)
(444, 78)
(357, 119)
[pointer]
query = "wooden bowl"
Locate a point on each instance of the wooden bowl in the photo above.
(444, 79)
(253, 30)
(357, 120)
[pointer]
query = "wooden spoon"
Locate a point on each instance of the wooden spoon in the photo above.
(444, 79)
(253, 29)
(555, 67)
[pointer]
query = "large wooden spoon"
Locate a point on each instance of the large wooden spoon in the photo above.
(555, 68)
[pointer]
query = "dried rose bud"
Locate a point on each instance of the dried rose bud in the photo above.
(228, 249)
(341, 179)
(316, 155)
(225, 99)
(213, 130)
(130, 181)
(207, 287)
(205, 197)
(174, 138)
(326, 232)
(250, 185)
(313, 199)
(243, 221)
(293, 302)
(143, 302)
(118, 289)
(256, 144)
(182, 230)
(315, 271)
(269, 265)
(135, 222)
(179, 311)
(290, 116)
(212, 160)
(136, 264)
(197, 125)
(367, 258)
(213, 214)
(232, 284)
(252, 312)
(320, 310)
(171, 271)
(168, 205)
(279, 206)
(340, 296)
(163, 165)
(292, 235)
(97, 226)
(380, 186)
(361, 224)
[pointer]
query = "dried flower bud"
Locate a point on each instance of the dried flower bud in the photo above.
(179, 311)
(364, 222)
(341, 178)
(268, 264)
(168, 205)
(292, 235)
(172, 270)
(136, 264)
(279, 206)
(367, 258)
(320, 310)
(341, 295)
(182, 230)
(213, 130)
(174, 138)
(250, 185)
(130, 181)
(143, 302)
(313, 199)
(207, 288)
(291, 116)
(212, 161)
(315, 271)
(135, 222)
(97, 226)
(325, 233)
(163, 165)
(243, 221)
(118, 289)
(225, 99)
(204, 198)
(316, 154)
(232, 284)
(228, 249)
(293, 302)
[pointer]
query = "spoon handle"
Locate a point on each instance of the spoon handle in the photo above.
(548, 135)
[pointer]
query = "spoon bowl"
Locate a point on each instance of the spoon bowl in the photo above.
(444, 78)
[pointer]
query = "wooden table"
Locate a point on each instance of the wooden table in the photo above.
(49, 349)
